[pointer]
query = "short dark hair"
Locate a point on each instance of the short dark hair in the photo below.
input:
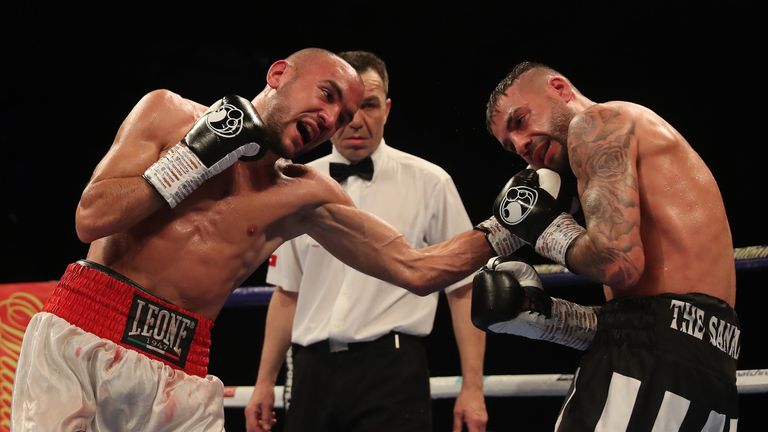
(502, 87)
(366, 60)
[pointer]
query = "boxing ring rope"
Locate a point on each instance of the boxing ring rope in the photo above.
(748, 381)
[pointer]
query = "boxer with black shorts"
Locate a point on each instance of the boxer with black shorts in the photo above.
(186, 204)
(656, 236)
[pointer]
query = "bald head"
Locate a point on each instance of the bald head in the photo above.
(313, 56)
(308, 96)
(309, 54)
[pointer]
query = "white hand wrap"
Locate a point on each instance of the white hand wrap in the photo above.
(554, 241)
(503, 242)
(177, 174)
(571, 324)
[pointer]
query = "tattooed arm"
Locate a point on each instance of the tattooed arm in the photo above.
(602, 147)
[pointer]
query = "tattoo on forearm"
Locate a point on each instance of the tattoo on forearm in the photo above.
(614, 265)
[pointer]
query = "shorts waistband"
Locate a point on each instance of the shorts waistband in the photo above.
(392, 339)
(111, 306)
(696, 326)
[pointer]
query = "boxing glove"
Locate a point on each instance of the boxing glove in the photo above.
(229, 130)
(534, 206)
(507, 297)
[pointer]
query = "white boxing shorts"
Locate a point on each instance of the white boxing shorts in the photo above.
(103, 355)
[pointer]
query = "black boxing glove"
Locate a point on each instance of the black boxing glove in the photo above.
(229, 130)
(534, 206)
(507, 297)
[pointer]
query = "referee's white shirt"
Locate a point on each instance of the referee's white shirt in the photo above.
(337, 302)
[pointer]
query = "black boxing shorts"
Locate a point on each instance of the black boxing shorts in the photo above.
(666, 362)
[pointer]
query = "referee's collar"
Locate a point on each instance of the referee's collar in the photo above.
(377, 156)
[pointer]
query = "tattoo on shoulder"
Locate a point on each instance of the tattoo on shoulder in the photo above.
(599, 141)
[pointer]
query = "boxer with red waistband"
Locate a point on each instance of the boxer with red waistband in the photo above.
(186, 204)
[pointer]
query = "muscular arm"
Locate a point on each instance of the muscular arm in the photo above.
(372, 246)
(470, 403)
(117, 197)
(602, 147)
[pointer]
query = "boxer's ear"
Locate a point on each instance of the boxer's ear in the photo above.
(277, 73)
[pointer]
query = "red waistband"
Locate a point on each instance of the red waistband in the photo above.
(100, 304)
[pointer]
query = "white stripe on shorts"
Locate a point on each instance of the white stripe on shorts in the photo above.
(715, 422)
(671, 413)
(617, 410)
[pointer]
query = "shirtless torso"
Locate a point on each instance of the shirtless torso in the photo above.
(664, 203)
(655, 220)
(195, 255)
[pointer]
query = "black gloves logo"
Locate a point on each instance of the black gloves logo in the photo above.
(226, 121)
(517, 203)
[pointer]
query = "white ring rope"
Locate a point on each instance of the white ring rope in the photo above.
(748, 381)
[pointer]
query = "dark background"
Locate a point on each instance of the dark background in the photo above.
(72, 72)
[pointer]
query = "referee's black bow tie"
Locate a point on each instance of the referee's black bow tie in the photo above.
(363, 169)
